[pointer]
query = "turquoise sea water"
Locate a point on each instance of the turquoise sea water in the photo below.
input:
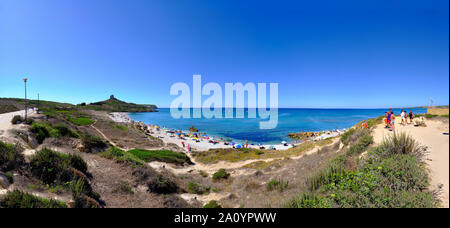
(289, 121)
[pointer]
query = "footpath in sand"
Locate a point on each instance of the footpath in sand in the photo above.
(437, 142)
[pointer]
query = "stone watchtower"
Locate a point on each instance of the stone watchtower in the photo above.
(112, 97)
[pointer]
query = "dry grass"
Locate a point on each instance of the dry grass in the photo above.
(236, 155)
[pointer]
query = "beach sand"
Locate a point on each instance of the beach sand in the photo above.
(431, 136)
(205, 145)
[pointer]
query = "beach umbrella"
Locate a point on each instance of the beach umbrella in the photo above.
(271, 147)
(238, 146)
(232, 143)
(284, 142)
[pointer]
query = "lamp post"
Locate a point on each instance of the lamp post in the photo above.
(38, 105)
(26, 106)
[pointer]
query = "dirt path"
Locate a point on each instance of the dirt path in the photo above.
(438, 144)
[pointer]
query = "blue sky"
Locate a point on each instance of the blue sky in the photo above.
(326, 54)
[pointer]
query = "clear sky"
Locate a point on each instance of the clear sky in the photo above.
(323, 54)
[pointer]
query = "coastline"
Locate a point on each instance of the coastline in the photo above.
(199, 143)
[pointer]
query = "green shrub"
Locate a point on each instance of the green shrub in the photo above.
(77, 162)
(120, 127)
(346, 136)
(334, 168)
(221, 174)
(122, 156)
(83, 195)
(279, 185)
(41, 130)
(212, 204)
(161, 155)
(430, 116)
(392, 175)
(308, 201)
(64, 130)
(10, 157)
(162, 185)
(361, 145)
(92, 143)
(44, 130)
(401, 143)
(19, 199)
(17, 119)
(195, 188)
(10, 177)
(51, 167)
(80, 121)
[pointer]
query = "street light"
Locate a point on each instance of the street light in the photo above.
(25, 80)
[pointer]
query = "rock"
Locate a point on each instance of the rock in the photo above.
(4, 183)
(32, 142)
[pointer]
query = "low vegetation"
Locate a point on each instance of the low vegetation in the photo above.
(390, 175)
(65, 170)
(214, 156)
(279, 185)
(43, 130)
(198, 189)
(122, 156)
(212, 204)
(222, 174)
(92, 143)
(161, 155)
(10, 157)
(120, 127)
(19, 199)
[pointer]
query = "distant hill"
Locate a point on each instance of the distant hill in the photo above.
(16, 104)
(115, 105)
(110, 105)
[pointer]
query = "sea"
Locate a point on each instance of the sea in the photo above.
(289, 121)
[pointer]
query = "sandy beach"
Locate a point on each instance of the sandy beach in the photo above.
(437, 142)
(203, 144)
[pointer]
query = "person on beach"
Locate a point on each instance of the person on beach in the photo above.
(364, 125)
(393, 121)
(389, 118)
(386, 123)
(402, 117)
(182, 143)
(411, 117)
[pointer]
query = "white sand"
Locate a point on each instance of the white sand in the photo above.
(204, 145)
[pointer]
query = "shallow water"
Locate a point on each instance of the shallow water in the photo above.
(289, 121)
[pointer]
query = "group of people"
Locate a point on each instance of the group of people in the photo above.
(404, 116)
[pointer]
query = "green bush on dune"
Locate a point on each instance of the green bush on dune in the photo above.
(220, 175)
(10, 157)
(198, 189)
(92, 143)
(391, 175)
(19, 199)
(43, 130)
(161, 155)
